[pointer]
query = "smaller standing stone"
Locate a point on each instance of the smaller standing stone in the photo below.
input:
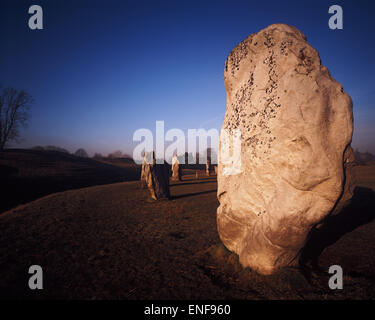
(208, 167)
(176, 169)
(144, 173)
(157, 178)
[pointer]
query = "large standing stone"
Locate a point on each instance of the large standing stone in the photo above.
(296, 123)
(176, 169)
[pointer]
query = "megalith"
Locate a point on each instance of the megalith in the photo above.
(208, 167)
(157, 178)
(296, 125)
(176, 169)
(144, 173)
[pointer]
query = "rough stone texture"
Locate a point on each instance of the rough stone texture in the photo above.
(296, 123)
(176, 169)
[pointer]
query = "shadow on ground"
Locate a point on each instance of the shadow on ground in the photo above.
(359, 212)
(191, 194)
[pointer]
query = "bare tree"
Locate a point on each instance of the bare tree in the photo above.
(14, 107)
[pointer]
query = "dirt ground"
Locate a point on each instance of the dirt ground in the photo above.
(113, 242)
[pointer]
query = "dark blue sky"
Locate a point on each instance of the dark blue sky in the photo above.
(102, 69)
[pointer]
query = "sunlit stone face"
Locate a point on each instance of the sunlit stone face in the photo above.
(296, 127)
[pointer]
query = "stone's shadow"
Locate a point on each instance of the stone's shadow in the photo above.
(190, 183)
(201, 178)
(360, 211)
(191, 194)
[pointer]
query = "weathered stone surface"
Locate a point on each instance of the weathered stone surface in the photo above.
(296, 123)
(176, 169)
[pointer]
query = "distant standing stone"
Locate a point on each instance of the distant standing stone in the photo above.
(208, 167)
(157, 179)
(176, 169)
(144, 173)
